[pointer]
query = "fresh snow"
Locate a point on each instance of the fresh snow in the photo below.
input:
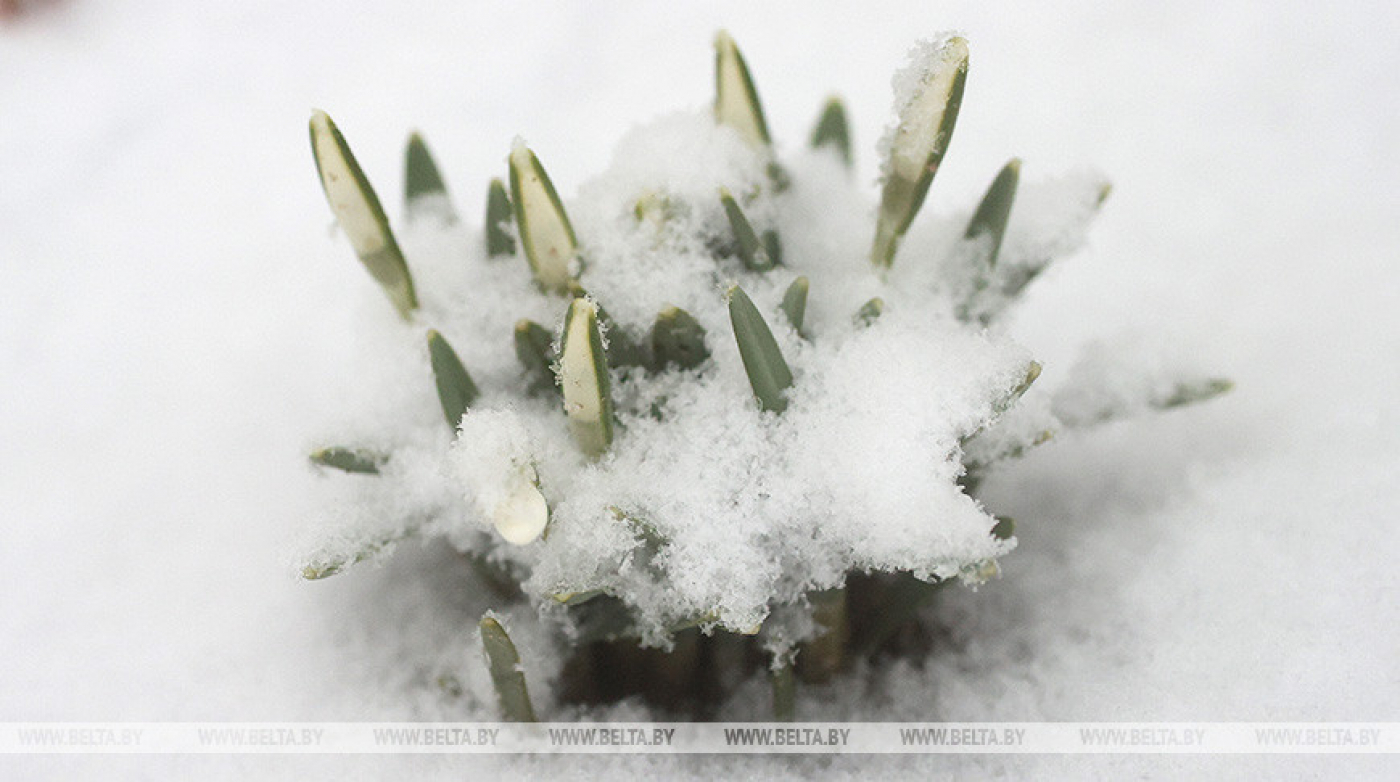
(178, 328)
(754, 509)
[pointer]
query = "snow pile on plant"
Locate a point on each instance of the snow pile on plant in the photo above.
(696, 394)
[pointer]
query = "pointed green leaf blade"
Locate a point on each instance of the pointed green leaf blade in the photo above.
(1099, 394)
(359, 214)
(583, 375)
(1032, 373)
(870, 311)
(921, 137)
(425, 194)
(995, 210)
(342, 554)
(794, 304)
(354, 460)
(624, 350)
(1189, 393)
(832, 130)
(1010, 281)
(576, 598)
(545, 231)
(1105, 190)
(534, 347)
(979, 455)
(752, 252)
(767, 370)
(736, 100)
(504, 663)
(988, 444)
(456, 391)
(678, 338)
(500, 242)
(773, 245)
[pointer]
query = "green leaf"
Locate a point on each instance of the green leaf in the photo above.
(583, 375)
(1014, 395)
(1004, 528)
(985, 445)
(773, 245)
(763, 361)
(1078, 407)
(644, 529)
(823, 656)
(736, 100)
(754, 253)
(784, 693)
(455, 388)
(545, 230)
(534, 347)
(1105, 190)
(994, 286)
(504, 662)
(356, 460)
(1189, 393)
(576, 598)
(424, 193)
(995, 210)
(1010, 281)
(794, 304)
(329, 563)
(357, 210)
(500, 242)
(981, 451)
(623, 349)
(832, 131)
(678, 338)
(870, 311)
(921, 138)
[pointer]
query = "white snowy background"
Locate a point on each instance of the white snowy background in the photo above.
(170, 317)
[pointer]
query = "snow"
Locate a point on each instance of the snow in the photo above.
(747, 511)
(177, 328)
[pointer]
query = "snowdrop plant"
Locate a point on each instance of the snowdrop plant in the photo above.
(708, 416)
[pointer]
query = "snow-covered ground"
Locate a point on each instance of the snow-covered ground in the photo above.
(171, 320)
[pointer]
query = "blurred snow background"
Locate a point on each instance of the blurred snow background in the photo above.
(172, 329)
